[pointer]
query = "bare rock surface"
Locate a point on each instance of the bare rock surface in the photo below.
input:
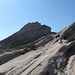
(34, 62)
(68, 31)
(45, 61)
(56, 57)
(71, 66)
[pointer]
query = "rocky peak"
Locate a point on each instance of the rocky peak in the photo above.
(31, 26)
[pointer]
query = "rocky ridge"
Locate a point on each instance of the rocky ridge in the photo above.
(26, 36)
(57, 57)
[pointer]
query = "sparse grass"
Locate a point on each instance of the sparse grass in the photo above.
(61, 70)
(39, 47)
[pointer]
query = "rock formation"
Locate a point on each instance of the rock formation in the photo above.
(68, 32)
(28, 34)
(71, 66)
(56, 57)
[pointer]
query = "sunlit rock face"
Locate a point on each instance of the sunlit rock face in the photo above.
(68, 32)
(56, 57)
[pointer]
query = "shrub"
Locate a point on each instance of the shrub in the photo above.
(27, 50)
(61, 70)
(33, 47)
(71, 39)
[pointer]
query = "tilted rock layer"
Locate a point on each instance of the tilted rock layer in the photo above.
(68, 31)
(28, 34)
(57, 57)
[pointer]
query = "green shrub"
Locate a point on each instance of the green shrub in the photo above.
(27, 50)
(71, 39)
(61, 70)
(33, 47)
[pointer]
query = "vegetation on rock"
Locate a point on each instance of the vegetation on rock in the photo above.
(71, 39)
(33, 47)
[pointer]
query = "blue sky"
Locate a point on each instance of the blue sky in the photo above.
(14, 14)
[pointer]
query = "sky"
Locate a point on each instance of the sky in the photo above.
(14, 14)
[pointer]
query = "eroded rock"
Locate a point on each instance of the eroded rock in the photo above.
(54, 58)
